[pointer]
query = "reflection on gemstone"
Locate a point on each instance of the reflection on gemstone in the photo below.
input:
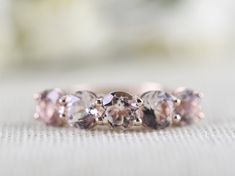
(158, 109)
(190, 106)
(47, 107)
(120, 108)
(86, 122)
(75, 108)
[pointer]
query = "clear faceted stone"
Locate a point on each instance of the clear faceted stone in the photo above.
(158, 109)
(120, 108)
(190, 106)
(79, 110)
(47, 107)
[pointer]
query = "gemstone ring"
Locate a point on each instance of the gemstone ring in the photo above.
(147, 107)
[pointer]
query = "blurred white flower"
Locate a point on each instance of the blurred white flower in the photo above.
(59, 30)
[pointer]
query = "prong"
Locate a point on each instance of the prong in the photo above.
(176, 118)
(62, 100)
(36, 116)
(99, 101)
(201, 115)
(36, 96)
(138, 122)
(62, 115)
(139, 102)
(177, 101)
(99, 121)
(199, 94)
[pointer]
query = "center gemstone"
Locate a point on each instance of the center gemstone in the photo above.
(120, 109)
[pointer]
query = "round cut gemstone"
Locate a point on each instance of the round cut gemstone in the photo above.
(78, 109)
(190, 105)
(47, 107)
(120, 108)
(158, 109)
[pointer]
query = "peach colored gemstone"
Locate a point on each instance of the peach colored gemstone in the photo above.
(77, 109)
(119, 109)
(190, 107)
(158, 109)
(47, 107)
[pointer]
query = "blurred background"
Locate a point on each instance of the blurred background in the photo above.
(69, 34)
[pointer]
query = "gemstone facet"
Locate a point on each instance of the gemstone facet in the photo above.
(158, 109)
(189, 107)
(78, 109)
(47, 107)
(120, 109)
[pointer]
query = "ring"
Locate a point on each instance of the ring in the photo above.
(147, 106)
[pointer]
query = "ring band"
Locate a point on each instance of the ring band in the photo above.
(149, 106)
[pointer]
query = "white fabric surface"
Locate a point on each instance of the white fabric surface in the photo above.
(28, 147)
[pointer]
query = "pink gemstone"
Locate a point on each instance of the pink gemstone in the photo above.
(77, 109)
(120, 109)
(47, 107)
(190, 106)
(158, 109)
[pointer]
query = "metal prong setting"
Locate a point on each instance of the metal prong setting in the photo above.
(36, 116)
(138, 122)
(99, 121)
(139, 102)
(36, 96)
(176, 118)
(62, 115)
(63, 100)
(201, 115)
(199, 94)
(99, 101)
(177, 101)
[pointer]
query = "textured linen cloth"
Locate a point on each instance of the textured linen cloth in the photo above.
(28, 147)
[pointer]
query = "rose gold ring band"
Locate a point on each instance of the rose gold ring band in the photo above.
(145, 106)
